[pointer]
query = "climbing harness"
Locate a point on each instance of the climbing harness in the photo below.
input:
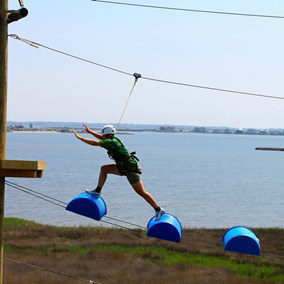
(136, 76)
(125, 161)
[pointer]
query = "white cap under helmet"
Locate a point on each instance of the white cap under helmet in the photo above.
(108, 129)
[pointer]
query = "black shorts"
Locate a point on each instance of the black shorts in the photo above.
(132, 177)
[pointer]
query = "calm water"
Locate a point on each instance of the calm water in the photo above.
(205, 180)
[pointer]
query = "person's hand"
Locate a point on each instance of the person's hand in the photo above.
(87, 129)
(77, 135)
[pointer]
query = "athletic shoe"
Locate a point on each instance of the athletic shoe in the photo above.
(160, 213)
(93, 193)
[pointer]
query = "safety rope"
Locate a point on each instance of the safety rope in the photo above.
(51, 271)
(189, 10)
(37, 45)
(204, 243)
(137, 76)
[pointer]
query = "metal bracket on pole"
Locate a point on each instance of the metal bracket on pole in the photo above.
(15, 15)
(21, 2)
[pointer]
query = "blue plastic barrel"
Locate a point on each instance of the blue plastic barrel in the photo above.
(87, 205)
(167, 228)
(241, 239)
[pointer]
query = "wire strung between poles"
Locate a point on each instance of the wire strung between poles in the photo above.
(51, 271)
(189, 10)
(36, 195)
(36, 192)
(46, 198)
(35, 44)
(125, 222)
(210, 244)
(212, 88)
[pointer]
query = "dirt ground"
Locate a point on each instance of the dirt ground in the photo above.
(59, 249)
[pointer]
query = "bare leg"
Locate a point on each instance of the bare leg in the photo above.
(105, 170)
(140, 189)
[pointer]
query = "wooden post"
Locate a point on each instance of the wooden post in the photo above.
(3, 112)
(269, 149)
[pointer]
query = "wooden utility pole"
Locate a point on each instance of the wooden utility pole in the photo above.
(3, 114)
(33, 169)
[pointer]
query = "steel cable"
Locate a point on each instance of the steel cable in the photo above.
(38, 196)
(188, 10)
(36, 192)
(51, 271)
(46, 197)
(211, 244)
(35, 44)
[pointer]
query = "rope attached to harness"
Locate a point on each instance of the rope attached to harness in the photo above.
(136, 76)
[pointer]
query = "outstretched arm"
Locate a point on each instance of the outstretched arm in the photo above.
(94, 133)
(87, 141)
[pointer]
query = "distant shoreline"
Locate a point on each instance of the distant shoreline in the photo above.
(55, 132)
(36, 131)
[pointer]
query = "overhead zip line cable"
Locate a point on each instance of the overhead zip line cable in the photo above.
(37, 45)
(189, 10)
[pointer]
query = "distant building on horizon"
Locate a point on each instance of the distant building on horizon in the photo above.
(167, 129)
(251, 131)
(227, 131)
(239, 131)
(200, 130)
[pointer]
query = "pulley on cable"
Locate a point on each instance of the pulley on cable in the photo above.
(15, 15)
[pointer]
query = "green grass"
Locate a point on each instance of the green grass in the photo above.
(164, 256)
(16, 223)
(62, 237)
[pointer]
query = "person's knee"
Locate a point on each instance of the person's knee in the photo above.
(141, 191)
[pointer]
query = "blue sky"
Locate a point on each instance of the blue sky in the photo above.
(229, 52)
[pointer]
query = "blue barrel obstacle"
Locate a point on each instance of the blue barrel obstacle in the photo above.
(167, 228)
(241, 239)
(88, 206)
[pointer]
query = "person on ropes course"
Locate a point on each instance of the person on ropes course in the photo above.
(126, 164)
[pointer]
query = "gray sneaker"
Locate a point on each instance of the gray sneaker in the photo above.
(93, 193)
(160, 213)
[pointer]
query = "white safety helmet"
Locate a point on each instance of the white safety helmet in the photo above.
(108, 129)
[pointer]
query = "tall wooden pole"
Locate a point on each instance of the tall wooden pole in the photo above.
(3, 112)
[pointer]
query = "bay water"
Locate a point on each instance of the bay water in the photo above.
(211, 181)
